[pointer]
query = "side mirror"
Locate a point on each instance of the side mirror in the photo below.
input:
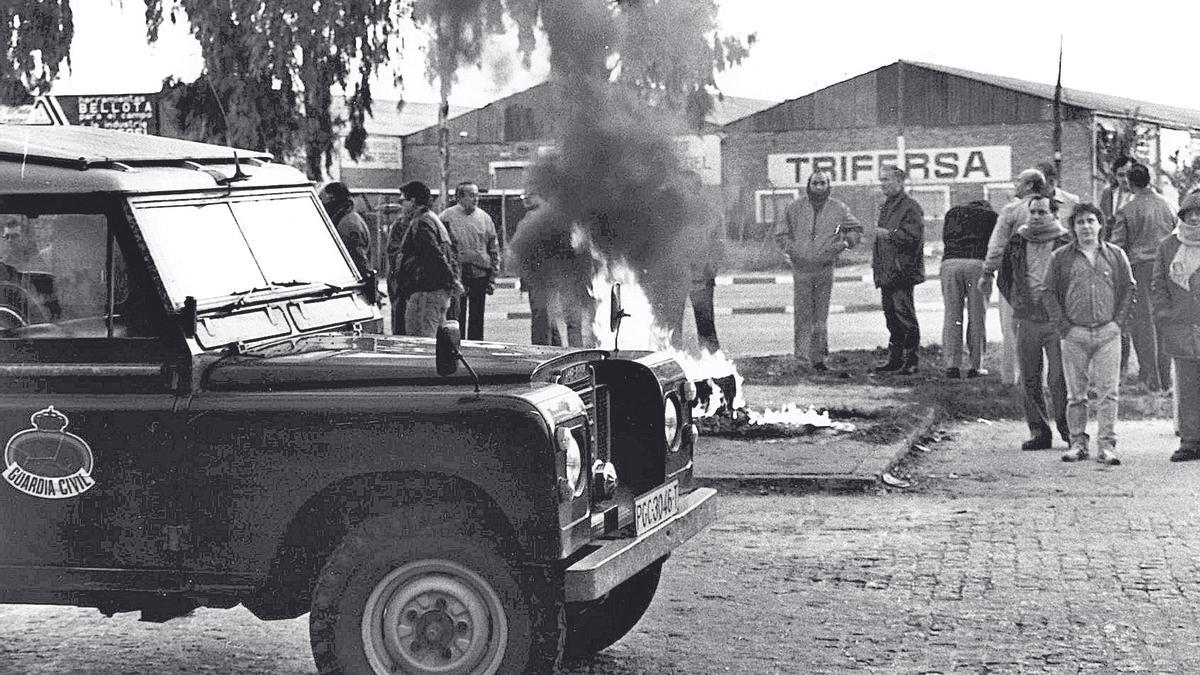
(615, 311)
(371, 287)
(187, 317)
(448, 340)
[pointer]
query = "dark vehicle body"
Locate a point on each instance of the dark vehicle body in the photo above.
(197, 410)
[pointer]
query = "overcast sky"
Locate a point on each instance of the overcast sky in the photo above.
(1145, 50)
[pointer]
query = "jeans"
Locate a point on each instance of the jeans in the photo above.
(1092, 360)
(1187, 400)
(960, 283)
(1154, 366)
(901, 315)
(471, 307)
(706, 324)
(425, 312)
(812, 288)
(1035, 338)
(399, 303)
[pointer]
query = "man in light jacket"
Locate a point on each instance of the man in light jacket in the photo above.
(816, 228)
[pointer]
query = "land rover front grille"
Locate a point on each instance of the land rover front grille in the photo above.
(596, 402)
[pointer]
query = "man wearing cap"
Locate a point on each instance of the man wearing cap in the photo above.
(424, 264)
(335, 197)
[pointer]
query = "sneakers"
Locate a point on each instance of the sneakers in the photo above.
(976, 372)
(1186, 453)
(1037, 443)
(953, 373)
(1107, 456)
(1076, 452)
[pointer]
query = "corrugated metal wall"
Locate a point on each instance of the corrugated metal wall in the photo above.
(932, 99)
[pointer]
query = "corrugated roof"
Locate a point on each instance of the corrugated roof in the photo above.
(80, 146)
(1117, 106)
(387, 120)
(726, 109)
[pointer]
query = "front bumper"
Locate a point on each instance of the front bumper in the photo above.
(616, 560)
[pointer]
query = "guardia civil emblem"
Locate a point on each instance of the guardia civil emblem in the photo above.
(46, 460)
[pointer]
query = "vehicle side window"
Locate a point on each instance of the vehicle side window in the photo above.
(54, 278)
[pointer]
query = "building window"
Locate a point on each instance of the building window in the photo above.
(519, 124)
(508, 175)
(769, 204)
(934, 200)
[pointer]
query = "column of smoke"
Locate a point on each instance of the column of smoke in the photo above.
(614, 176)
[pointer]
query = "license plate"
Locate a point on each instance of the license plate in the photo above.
(656, 506)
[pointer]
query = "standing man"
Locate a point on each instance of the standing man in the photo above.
(474, 234)
(1113, 197)
(335, 197)
(816, 228)
(704, 280)
(965, 236)
(424, 264)
(1022, 282)
(1142, 224)
(898, 264)
(1089, 289)
(1066, 200)
(1176, 298)
(1012, 216)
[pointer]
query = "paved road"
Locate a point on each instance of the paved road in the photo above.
(997, 561)
(854, 323)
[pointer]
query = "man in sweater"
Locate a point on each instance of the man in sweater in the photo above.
(1022, 282)
(965, 237)
(1141, 225)
(816, 228)
(898, 265)
(474, 234)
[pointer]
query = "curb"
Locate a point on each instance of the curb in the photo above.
(859, 481)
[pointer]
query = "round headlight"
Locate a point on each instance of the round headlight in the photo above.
(671, 422)
(567, 443)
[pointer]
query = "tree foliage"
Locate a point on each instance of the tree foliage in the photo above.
(39, 42)
(272, 67)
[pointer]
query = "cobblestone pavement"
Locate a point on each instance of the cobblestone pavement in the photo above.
(995, 561)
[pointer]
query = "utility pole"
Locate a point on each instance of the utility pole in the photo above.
(1058, 113)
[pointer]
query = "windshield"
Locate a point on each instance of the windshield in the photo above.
(233, 246)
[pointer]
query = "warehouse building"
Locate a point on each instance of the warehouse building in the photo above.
(965, 135)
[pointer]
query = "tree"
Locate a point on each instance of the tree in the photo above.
(39, 42)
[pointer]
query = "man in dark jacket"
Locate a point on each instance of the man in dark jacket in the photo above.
(424, 263)
(965, 237)
(1022, 281)
(335, 197)
(898, 264)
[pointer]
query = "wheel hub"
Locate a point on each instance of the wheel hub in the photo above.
(434, 617)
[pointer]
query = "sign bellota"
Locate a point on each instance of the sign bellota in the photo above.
(990, 163)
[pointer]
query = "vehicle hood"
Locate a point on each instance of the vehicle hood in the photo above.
(376, 360)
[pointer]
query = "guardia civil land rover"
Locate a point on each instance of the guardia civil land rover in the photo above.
(198, 410)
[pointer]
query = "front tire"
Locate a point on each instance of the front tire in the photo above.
(403, 594)
(592, 626)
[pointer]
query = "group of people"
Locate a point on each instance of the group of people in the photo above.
(439, 265)
(1076, 279)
